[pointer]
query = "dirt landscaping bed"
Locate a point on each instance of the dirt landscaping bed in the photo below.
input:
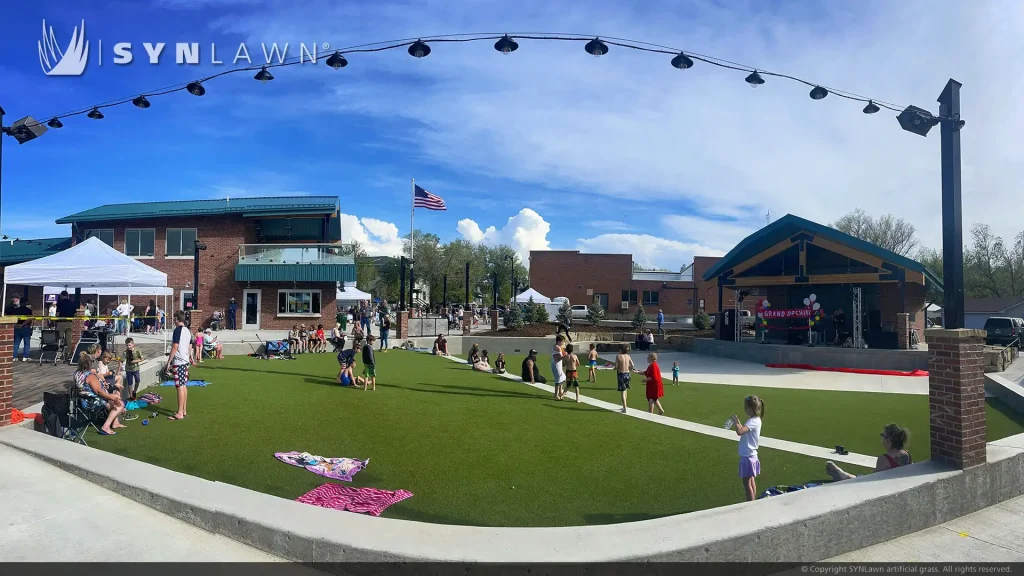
(540, 330)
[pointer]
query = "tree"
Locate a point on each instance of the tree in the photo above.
(701, 320)
(514, 317)
(888, 232)
(536, 312)
(595, 313)
(564, 315)
(983, 276)
(640, 318)
(366, 271)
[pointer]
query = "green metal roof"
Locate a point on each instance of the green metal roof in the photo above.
(295, 273)
(248, 207)
(789, 225)
(25, 250)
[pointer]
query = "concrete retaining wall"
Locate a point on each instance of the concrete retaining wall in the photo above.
(904, 360)
(806, 526)
(1007, 391)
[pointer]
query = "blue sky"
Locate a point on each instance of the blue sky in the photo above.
(545, 148)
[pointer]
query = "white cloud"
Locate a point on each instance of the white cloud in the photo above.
(525, 231)
(377, 237)
(613, 225)
(648, 251)
(717, 234)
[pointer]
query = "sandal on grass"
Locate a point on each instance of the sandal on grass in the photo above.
(130, 417)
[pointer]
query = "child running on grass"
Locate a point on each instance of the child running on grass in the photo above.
(623, 367)
(571, 363)
(750, 437)
(369, 365)
(655, 389)
(675, 373)
(592, 363)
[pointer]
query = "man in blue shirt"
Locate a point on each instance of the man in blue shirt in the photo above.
(232, 311)
(661, 321)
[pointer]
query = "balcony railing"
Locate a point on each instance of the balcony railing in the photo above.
(296, 254)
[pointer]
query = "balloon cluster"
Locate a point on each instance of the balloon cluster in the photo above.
(815, 308)
(763, 304)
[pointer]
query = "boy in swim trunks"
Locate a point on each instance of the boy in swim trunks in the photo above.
(571, 363)
(623, 367)
(592, 363)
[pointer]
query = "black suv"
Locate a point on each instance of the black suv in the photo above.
(1004, 331)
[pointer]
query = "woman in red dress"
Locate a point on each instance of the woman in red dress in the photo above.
(655, 389)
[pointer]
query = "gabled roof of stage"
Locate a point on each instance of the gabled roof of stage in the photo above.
(789, 226)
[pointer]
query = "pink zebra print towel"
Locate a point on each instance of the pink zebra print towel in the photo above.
(362, 500)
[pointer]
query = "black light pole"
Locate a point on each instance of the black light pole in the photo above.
(199, 246)
(401, 284)
(412, 282)
(920, 121)
(467, 287)
(512, 287)
(2, 162)
(494, 291)
(444, 297)
(22, 134)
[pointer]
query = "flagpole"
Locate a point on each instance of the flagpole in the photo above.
(412, 220)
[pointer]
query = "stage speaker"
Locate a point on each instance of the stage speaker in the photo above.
(875, 321)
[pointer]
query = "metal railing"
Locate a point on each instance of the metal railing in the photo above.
(296, 254)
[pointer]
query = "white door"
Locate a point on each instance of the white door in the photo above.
(251, 309)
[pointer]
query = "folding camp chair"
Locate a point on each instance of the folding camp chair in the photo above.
(50, 341)
(89, 337)
(81, 419)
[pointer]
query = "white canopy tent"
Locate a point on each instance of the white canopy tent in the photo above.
(116, 290)
(352, 294)
(538, 298)
(88, 265)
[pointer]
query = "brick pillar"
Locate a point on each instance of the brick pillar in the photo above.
(403, 325)
(77, 325)
(6, 366)
(467, 325)
(494, 320)
(903, 331)
(956, 396)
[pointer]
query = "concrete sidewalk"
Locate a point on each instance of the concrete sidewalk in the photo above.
(712, 370)
(52, 515)
(994, 534)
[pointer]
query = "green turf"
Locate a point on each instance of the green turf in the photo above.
(458, 439)
(819, 417)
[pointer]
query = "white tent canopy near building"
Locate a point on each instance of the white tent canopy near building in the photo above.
(352, 294)
(538, 298)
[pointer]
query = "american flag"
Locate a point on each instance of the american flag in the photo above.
(424, 199)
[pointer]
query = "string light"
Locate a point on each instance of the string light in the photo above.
(264, 75)
(504, 43)
(419, 49)
(596, 48)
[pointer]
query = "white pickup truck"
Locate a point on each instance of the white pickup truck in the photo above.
(746, 319)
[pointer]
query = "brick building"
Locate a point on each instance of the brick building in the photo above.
(278, 257)
(609, 280)
(17, 251)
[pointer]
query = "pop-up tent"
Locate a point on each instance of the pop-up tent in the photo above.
(115, 290)
(538, 298)
(352, 294)
(89, 264)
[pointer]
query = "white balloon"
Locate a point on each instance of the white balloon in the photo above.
(813, 297)
(817, 306)
(807, 302)
(765, 304)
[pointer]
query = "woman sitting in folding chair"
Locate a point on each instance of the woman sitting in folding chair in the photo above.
(93, 395)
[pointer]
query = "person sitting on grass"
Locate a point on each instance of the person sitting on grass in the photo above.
(474, 354)
(211, 346)
(482, 364)
(531, 372)
(346, 376)
(93, 395)
(440, 346)
(499, 364)
(369, 365)
(894, 440)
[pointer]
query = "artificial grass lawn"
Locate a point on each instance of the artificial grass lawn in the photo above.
(817, 417)
(459, 440)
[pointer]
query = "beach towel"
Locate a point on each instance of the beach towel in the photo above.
(361, 500)
(190, 383)
(136, 405)
(780, 490)
(151, 398)
(337, 468)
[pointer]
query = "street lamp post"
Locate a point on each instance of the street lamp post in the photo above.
(512, 286)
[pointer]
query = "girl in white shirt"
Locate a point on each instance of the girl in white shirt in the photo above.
(750, 437)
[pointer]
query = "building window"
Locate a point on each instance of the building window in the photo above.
(300, 302)
(701, 305)
(181, 241)
(650, 297)
(139, 241)
(629, 296)
(105, 235)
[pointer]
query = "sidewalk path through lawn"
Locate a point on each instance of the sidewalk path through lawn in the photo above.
(719, 432)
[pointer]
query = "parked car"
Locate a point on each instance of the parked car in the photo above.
(746, 319)
(1003, 331)
(579, 311)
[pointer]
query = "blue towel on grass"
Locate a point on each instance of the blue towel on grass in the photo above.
(190, 383)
